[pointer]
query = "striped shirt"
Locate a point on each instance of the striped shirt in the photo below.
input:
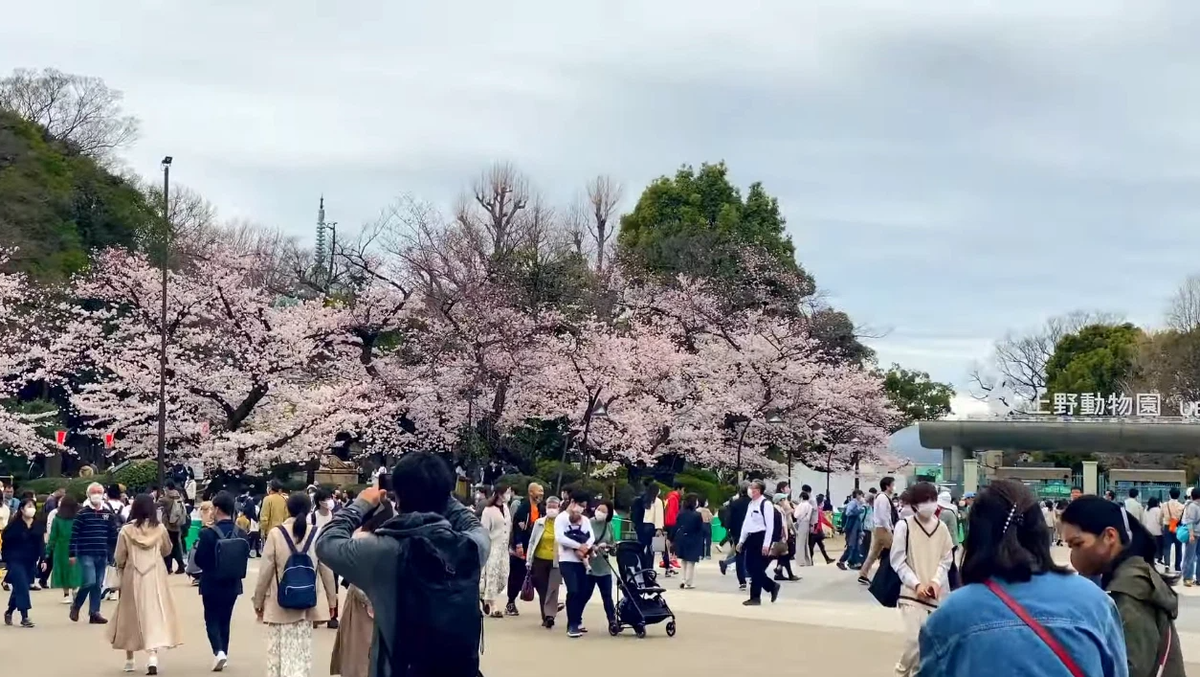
(94, 533)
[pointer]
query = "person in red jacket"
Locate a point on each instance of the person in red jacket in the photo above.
(669, 516)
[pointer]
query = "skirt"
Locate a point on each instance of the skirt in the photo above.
(289, 649)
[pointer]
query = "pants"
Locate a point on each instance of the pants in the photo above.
(756, 566)
(864, 547)
(814, 542)
(176, 553)
(645, 533)
(689, 572)
(853, 543)
(516, 577)
(91, 576)
(914, 616)
(1189, 560)
(782, 564)
(19, 576)
(605, 585)
(881, 539)
(44, 578)
(666, 553)
(706, 541)
(218, 613)
(546, 581)
(1171, 544)
(579, 591)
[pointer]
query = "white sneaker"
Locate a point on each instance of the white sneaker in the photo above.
(36, 586)
(152, 665)
(67, 598)
(128, 666)
(220, 662)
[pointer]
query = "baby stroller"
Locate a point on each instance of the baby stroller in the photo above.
(639, 597)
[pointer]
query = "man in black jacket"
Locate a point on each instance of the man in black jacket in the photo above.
(218, 596)
(737, 515)
(527, 513)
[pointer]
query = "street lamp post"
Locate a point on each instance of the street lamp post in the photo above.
(162, 326)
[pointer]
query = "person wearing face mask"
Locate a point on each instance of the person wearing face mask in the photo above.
(22, 547)
(542, 562)
(93, 542)
(1110, 544)
(320, 516)
(601, 574)
(922, 553)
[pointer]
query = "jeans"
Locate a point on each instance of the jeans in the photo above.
(91, 576)
(605, 585)
(20, 576)
(1171, 543)
(853, 543)
(738, 559)
(218, 613)
(706, 541)
(579, 591)
(1189, 560)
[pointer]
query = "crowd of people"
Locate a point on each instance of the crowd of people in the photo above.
(974, 579)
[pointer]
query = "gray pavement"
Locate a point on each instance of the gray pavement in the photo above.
(818, 627)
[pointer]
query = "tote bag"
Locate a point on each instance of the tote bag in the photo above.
(885, 587)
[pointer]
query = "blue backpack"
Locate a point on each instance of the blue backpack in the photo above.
(297, 588)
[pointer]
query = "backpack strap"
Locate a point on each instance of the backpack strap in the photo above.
(1039, 629)
(288, 538)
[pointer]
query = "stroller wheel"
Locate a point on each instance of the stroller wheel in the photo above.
(670, 628)
(614, 629)
(640, 631)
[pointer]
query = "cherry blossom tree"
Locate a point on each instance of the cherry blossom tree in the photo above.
(252, 379)
(22, 354)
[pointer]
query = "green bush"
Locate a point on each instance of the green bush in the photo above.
(624, 496)
(550, 470)
(137, 477)
(519, 483)
(593, 487)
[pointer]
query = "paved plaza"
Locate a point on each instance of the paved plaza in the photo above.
(820, 626)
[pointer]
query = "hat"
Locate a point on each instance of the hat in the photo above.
(945, 501)
(969, 494)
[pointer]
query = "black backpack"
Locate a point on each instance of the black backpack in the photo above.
(439, 621)
(231, 555)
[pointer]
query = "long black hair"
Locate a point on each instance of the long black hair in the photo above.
(1093, 515)
(298, 506)
(143, 511)
(1007, 537)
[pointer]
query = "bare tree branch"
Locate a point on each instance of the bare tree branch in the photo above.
(81, 111)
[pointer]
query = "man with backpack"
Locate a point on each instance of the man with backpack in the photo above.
(420, 570)
(222, 552)
(175, 519)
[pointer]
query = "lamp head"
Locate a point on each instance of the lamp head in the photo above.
(166, 161)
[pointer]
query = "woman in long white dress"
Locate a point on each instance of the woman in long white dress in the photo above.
(497, 520)
(805, 515)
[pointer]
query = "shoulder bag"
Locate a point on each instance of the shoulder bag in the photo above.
(1038, 629)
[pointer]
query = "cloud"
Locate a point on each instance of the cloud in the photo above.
(949, 170)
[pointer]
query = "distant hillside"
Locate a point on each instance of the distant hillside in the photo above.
(905, 444)
(57, 205)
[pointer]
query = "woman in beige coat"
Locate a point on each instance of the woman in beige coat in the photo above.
(145, 618)
(352, 647)
(289, 631)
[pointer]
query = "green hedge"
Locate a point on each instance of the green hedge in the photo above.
(137, 477)
(76, 487)
(520, 483)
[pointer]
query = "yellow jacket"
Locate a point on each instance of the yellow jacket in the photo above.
(273, 513)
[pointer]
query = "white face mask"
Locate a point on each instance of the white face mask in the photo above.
(29, 511)
(551, 512)
(602, 515)
(96, 499)
(329, 505)
(927, 509)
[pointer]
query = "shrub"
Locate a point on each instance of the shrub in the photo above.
(593, 487)
(519, 483)
(624, 496)
(137, 476)
(550, 470)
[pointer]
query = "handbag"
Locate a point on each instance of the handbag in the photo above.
(112, 578)
(659, 544)
(1183, 533)
(527, 591)
(779, 549)
(1038, 629)
(886, 585)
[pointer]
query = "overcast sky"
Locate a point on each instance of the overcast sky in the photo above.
(949, 169)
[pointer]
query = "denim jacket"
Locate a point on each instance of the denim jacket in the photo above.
(974, 633)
